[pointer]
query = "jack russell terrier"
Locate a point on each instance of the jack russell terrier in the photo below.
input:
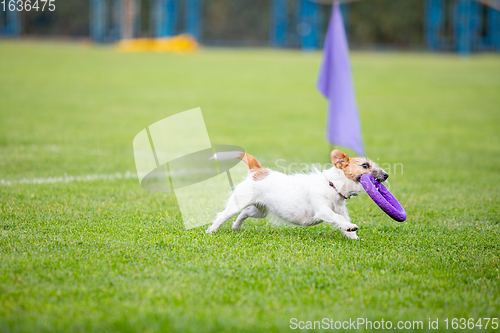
(301, 199)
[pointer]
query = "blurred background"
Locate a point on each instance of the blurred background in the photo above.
(440, 25)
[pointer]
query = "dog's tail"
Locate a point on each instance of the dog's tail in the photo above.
(248, 159)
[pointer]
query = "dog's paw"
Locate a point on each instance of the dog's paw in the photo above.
(351, 235)
(211, 230)
(350, 227)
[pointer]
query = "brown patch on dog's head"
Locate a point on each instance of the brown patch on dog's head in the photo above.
(355, 167)
(339, 159)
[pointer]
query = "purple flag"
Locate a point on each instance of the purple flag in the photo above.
(335, 83)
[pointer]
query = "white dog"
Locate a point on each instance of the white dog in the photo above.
(301, 199)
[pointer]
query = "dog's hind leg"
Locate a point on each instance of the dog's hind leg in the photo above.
(241, 198)
(250, 211)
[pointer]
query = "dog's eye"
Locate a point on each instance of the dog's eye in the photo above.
(365, 165)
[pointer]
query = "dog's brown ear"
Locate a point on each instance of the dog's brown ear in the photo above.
(339, 159)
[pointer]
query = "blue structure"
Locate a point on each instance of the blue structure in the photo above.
(102, 29)
(466, 20)
(463, 26)
(434, 22)
(10, 25)
(493, 36)
(279, 26)
(193, 18)
(165, 17)
(106, 17)
(307, 24)
(165, 20)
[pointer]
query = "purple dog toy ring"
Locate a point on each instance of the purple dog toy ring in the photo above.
(383, 198)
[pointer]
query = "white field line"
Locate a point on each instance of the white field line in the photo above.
(89, 178)
(84, 178)
(69, 179)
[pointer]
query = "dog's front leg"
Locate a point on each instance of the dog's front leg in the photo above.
(350, 234)
(329, 216)
(342, 210)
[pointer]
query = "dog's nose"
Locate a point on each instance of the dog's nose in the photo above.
(385, 175)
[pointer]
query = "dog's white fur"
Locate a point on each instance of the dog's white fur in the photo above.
(301, 199)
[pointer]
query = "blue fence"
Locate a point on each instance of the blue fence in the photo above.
(463, 26)
(105, 20)
(467, 32)
(9, 23)
(307, 24)
(279, 25)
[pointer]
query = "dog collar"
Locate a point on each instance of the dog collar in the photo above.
(341, 195)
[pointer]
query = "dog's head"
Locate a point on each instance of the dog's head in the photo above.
(355, 167)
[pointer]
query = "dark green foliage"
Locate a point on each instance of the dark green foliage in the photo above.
(71, 18)
(394, 22)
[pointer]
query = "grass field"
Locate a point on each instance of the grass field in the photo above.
(104, 255)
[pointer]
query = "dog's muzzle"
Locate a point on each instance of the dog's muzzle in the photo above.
(382, 178)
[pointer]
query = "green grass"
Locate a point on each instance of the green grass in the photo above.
(108, 256)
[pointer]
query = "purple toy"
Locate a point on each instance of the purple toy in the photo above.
(383, 198)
